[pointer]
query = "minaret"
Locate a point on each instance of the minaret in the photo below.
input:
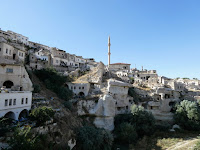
(109, 50)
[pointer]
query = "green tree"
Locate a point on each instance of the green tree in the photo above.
(132, 93)
(91, 138)
(55, 82)
(143, 120)
(36, 88)
(126, 133)
(121, 118)
(23, 139)
(42, 114)
(187, 115)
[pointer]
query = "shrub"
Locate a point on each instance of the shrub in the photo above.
(90, 138)
(136, 124)
(126, 133)
(132, 93)
(5, 125)
(36, 88)
(42, 114)
(68, 105)
(197, 146)
(187, 115)
(163, 127)
(23, 139)
(55, 82)
(121, 118)
(143, 120)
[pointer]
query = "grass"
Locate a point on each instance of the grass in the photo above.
(181, 140)
(168, 142)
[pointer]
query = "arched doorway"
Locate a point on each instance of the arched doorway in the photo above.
(66, 86)
(23, 115)
(10, 115)
(81, 94)
(8, 84)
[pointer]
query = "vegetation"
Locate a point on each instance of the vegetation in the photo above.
(197, 146)
(36, 88)
(68, 105)
(143, 120)
(5, 125)
(134, 125)
(132, 93)
(23, 139)
(126, 133)
(41, 115)
(132, 80)
(90, 138)
(55, 82)
(187, 115)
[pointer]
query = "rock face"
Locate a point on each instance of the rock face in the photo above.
(105, 112)
(113, 101)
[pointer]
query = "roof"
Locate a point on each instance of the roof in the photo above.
(120, 64)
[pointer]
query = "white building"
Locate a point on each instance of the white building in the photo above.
(18, 37)
(15, 104)
(15, 94)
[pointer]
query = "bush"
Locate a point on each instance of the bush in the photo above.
(90, 138)
(126, 133)
(163, 127)
(55, 82)
(41, 115)
(143, 120)
(197, 146)
(23, 139)
(68, 105)
(121, 118)
(132, 93)
(5, 125)
(36, 88)
(187, 115)
(136, 124)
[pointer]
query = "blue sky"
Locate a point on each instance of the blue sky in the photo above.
(158, 34)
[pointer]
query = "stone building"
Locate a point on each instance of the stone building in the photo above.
(79, 89)
(18, 37)
(9, 52)
(40, 59)
(15, 92)
(119, 66)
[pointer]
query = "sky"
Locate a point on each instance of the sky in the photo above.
(162, 35)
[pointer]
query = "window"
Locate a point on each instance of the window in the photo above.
(26, 100)
(74, 87)
(0, 49)
(10, 102)
(6, 51)
(10, 52)
(9, 70)
(82, 87)
(22, 54)
(56, 61)
(6, 102)
(79, 87)
(14, 102)
(22, 102)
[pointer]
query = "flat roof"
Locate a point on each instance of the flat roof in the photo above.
(120, 64)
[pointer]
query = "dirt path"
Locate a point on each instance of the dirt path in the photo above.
(184, 145)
